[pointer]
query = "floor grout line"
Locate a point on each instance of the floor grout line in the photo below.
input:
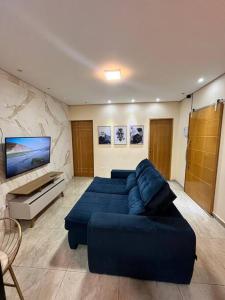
(204, 283)
(180, 292)
(60, 284)
(52, 269)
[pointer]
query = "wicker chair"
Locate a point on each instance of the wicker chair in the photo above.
(10, 240)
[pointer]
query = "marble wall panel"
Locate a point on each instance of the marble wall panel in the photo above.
(27, 111)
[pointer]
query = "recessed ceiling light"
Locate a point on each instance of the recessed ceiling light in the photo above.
(157, 99)
(200, 80)
(109, 101)
(112, 75)
(133, 100)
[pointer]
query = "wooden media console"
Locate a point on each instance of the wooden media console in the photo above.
(27, 201)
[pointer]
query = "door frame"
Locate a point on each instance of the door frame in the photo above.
(73, 121)
(171, 145)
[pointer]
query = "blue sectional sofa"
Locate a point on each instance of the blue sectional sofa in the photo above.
(132, 228)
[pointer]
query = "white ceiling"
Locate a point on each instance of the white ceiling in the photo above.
(161, 46)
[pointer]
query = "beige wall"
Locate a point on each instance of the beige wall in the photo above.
(26, 111)
(107, 157)
(205, 96)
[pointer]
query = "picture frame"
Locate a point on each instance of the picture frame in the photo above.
(120, 135)
(136, 134)
(104, 135)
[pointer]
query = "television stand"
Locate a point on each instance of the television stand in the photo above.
(27, 201)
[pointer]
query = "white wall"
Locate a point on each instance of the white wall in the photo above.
(26, 111)
(107, 157)
(205, 96)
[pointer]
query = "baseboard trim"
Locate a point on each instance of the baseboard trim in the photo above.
(219, 219)
(174, 180)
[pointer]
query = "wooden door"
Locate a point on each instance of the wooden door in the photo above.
(83, 154)
(202, 155)
(160, 146)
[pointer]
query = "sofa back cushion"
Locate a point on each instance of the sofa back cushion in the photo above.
(135, 203)
(142, 166)
(150, 182)
(131, 181)
(161, 201)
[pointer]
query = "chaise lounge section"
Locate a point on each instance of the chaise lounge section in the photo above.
(132, 228)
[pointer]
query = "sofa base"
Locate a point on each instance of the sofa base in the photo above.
(72, 242)
(179, 275)
(73, 246)
(149, 248)
(76, 237)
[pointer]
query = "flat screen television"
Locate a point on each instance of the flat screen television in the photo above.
(26, 153)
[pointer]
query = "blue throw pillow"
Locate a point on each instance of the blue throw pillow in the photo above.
(131, 181)
(145, 163)
(135, 204)
(150, 182)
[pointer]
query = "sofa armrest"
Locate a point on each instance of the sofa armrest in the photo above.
(153, 248)
(121, 173)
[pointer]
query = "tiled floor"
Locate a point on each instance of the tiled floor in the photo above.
(48, 269)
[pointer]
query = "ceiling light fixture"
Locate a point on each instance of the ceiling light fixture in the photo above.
(112, 75)
(200, 80)
(109, 101)
(133, 100)
(157, 99)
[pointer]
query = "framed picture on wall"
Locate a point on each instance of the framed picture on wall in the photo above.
(104, 135)
(137, 134)
(120, 135)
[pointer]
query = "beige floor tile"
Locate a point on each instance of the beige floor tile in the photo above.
(52, 251)
(209, 268)
(213, 249)
(72, 286)
(203, 292)
(101, 287)
(36, 284)
(80, 285)
(132, 289)
(78, 259)
(208, 272)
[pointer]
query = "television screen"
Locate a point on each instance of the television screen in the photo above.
(26, 153)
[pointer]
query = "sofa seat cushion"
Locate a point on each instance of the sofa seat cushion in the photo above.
(116, 181)
(135, 203)
(107, 188)
(150, 182)
(95, 202)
